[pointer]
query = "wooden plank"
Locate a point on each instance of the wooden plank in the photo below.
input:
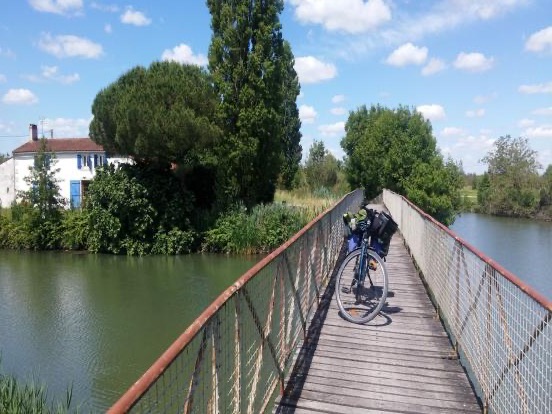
(401, 362)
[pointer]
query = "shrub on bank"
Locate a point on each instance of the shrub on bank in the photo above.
(260, 230)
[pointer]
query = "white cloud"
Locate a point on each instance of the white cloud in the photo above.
(307, 114)
(136, 18)
(407, 54)
(3, 78)
(64, 7)
(19, 97)
(432, 112)
(330, 130)
(183, 54)
(51, 73)
(526, 122)
(540, 41)
(473, 62)
(350, 16)
(8, 53)
(109, 8)
(68, 127)
(544, 131)
(483, 99)
(69, 46)
(537, 88)
(433, 66)
(311, 70)
(108, 28)
(338, 111)
(475, 113)
(543, 111)
(452, 131)
(338, 99)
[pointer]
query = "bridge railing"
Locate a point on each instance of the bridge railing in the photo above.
(239, 350)
(500, 327)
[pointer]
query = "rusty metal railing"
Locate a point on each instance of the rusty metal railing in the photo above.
(500, 327)
(239, 350)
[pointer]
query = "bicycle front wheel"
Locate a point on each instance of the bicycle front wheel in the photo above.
(360, 298)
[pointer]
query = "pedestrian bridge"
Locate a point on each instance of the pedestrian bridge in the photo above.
(458, 334)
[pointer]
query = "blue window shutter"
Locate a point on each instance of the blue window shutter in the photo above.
(105, 159)
(79, 161)
(95, 160)
(89, 162)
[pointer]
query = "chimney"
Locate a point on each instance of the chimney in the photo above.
(33, 132)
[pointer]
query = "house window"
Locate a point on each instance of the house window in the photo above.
(85, 161)
(79, 161)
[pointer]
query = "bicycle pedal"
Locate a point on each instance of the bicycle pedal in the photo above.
(345, 289)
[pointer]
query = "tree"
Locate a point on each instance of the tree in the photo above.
(41, 205)
(513, 178)
(138, 209)
(321, 167)
(291, 137)
(252, 69)
(434, 188)
(383, 146)
(159, 114)
(4, 157)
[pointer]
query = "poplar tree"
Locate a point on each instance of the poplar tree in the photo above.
(252, 69)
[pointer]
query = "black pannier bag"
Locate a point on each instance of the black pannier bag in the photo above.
(381, 231)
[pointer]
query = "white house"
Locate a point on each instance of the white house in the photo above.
(76, 159)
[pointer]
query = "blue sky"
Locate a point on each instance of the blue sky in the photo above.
(477, 69)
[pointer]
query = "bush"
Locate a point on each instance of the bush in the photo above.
(259, 231)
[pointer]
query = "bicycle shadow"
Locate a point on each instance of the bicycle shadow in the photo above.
(384, 317)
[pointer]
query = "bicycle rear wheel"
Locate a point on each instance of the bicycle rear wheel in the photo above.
(361, 301)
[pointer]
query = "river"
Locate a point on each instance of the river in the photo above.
(97, 322)
(522, 246)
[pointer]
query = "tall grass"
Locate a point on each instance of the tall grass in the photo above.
(17, 398)
(260, 230)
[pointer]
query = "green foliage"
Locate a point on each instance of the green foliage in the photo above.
(138, 210)
(291, 136)
(512, 186)
(321, 167)
(38, 216)
(259, 231)
(395, 149)
(252, 69)
(74, 230)
(161, 113)
(17, 398)
(434, 188)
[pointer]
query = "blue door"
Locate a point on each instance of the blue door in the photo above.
(75, 194)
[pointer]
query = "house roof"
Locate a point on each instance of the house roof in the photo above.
(61, 145)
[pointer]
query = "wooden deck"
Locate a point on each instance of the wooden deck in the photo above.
(400, 362)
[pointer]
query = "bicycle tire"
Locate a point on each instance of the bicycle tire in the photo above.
(361, 304)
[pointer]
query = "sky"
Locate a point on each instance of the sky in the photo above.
(476, 69)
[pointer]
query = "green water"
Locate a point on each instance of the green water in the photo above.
(97, 322)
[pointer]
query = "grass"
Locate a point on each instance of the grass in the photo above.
(17, 398)
(305, 199)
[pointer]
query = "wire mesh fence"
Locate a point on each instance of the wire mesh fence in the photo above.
(500, 327)
(239, 350)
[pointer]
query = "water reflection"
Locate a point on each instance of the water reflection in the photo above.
(97, 322)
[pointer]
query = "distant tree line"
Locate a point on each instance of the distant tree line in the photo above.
(511, 185)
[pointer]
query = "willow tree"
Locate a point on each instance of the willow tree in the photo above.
(252, 69)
